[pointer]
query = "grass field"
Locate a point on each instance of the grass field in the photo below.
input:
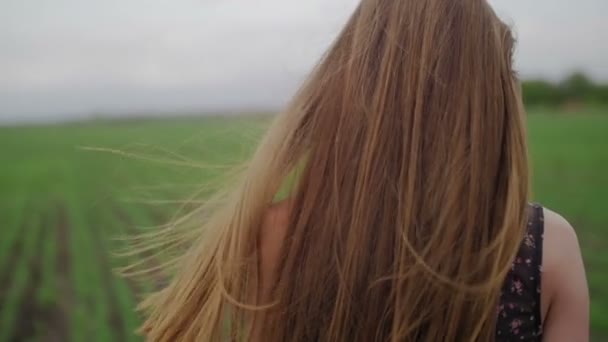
(62, 204)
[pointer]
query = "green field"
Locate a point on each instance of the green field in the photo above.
(67, 192)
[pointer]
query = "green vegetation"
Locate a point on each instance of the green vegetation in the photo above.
(69, 193)
(575, 91)
(63, 205)
(570, 161)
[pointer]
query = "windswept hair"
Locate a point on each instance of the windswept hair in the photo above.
(409, 204)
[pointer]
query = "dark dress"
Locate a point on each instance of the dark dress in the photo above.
(519, 317)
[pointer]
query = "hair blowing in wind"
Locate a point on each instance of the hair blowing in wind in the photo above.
(409, 203)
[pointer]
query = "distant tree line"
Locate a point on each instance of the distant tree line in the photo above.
(575, 90)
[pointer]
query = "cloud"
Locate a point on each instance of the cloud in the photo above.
(71, 58)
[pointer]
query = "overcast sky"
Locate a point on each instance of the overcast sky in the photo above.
(76, 58)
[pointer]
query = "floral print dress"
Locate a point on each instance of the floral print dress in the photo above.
(519, 317)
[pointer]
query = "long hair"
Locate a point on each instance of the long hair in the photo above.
(410, 198)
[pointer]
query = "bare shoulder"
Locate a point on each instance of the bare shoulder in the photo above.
(276, 220)
(565, 297)
(270, 242)
(558, 230)
(560, 241)
(560, 246)
(272, 235)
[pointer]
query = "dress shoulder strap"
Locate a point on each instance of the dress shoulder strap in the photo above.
(519, 311)
(536, 232)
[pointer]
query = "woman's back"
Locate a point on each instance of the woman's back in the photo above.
(404, 156)
(525, 299)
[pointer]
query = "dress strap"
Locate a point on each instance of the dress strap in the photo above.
(537, 231)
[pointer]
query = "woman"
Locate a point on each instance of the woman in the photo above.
(409, 217)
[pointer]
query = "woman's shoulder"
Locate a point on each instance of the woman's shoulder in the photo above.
(558, 231)
(272, 234)
(561, 250)
(565, 296)
(276, 220)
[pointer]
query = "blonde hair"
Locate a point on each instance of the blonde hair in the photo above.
(410, 199)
